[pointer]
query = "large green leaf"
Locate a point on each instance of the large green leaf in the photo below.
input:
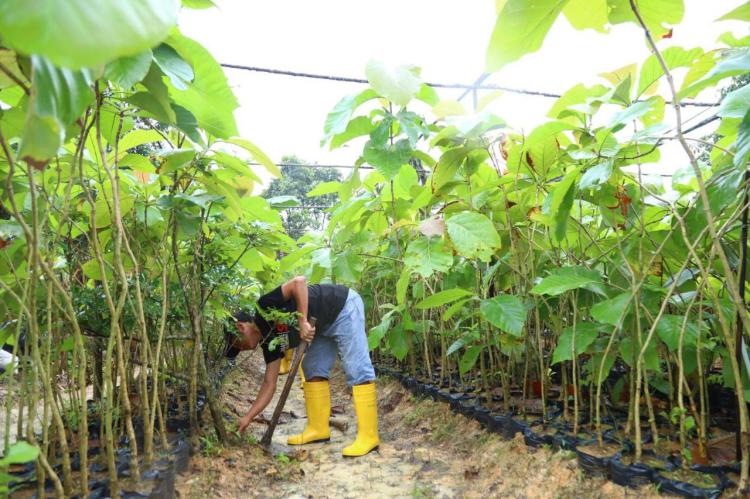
(658, 15)
(126, 71)
(59, 97)
(585, 334)
(520, 29)
(19, 453)
(583, 14)
(209, 97)
(85, 33)
(169, 61)
(337, 120)
(735, 104)
(560, 201)
(566, 278)
(257, 154)
(612, 311)
(399, 85)
(473, 235)
(387, 158)
(674, 57)
(469, 358)
(377, 333)
(427, 256)
(447, 166)
(443, 297)
(669, 328)
(505, 312)
(398, 342)
(596, 175)
(741, 13)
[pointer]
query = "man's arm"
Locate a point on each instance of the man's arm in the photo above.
(265, 394)
(297, 289)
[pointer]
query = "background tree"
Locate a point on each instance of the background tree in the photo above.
(297, 181)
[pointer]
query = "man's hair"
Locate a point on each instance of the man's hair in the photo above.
(243, 316)
(230, 333)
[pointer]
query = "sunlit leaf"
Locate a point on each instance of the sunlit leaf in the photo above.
(520, 29)
(82, 33)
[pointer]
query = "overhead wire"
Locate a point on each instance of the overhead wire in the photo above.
(478, 85)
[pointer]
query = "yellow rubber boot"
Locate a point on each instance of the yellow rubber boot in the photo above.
(302, 375)
(286, 361)
(318, 406)
(366, 407)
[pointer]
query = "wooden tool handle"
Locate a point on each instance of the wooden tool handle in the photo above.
(301, 349)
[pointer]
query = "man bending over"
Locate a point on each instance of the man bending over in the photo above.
(340, 327)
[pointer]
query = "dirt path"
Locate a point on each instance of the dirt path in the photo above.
(426, 451)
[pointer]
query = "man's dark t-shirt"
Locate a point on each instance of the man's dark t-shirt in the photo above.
(324, 302)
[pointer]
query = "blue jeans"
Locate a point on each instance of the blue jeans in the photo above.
(347, 337)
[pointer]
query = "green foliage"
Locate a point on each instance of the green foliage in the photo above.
(76, 34)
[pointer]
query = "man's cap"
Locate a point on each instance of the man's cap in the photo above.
(230, 333)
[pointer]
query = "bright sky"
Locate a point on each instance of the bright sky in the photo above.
(446, 38)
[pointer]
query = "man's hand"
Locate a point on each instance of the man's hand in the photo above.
(306, 331)
(242, 424)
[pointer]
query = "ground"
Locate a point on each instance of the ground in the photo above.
(425, 451)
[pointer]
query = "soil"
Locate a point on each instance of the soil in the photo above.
(425, 451)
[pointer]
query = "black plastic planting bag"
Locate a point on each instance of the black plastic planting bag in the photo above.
(685, 489)
(598, 466)
(534, 439)
(629, 475)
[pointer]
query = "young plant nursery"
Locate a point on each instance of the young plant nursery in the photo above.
(416, 248)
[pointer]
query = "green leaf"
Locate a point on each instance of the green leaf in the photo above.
(596, 175)
(399, 85)
(209, 97)
(473, 235)
(674, 57)
(469, 358)
(156, 101)
(129, 70)
(706, 71)
(79, 33)
(402, 285)
(583, 14)
(742, 152)
(735, 104)
(427, 256)
(323, 188)
(258, 155)
(635, 110)
(398, 342)
(358, 127)
(443, 297)
(521, 29)
(169, 61)
(387, 158)
(658, 15)
(198, 4)
(454, 309)
(9, 60)
(505, 312)
(669, 328)
(612, 311)
(741, 13)
(19, 453)
(338, 119)
(376, 334)
(566, 278)
(59, 97)
(447, 166)
(585, 334)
